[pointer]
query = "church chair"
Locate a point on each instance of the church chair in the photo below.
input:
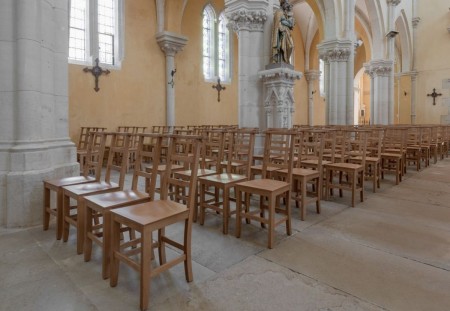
(94, 161)
(281, 143)
(78, 192)
(208, 158)
(102, 204)
(237, 169)
(311, 145)
(353, 172)
(373, 157)
(83, 142)
(414, 146)
(393, 152)
(156, 215)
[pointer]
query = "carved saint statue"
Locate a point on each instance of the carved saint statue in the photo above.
(282, 43)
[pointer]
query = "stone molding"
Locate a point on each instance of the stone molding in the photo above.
(312, 75)
(171, 43)
(280, 73)
(245, 19)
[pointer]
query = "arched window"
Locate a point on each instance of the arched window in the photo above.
(216, 46)
(223, 49)
(209, 21)
(94, 31)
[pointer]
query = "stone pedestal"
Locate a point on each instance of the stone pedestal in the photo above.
(34, 140)
(279, 83)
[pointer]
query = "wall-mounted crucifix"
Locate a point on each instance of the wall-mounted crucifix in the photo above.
(434, 95)
(96, 71)
(219, 88)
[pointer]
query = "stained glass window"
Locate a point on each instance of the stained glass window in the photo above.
(208, 42)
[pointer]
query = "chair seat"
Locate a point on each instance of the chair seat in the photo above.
(263, 185)
(225, 178)
(391, 155)
(151, 212)
(314, 162)
(200, 172)
(350, 166)
(90, 188)
(368, 159)
(69, 181)
(117, 198)
(269, 168)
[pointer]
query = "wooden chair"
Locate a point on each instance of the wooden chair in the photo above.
(78, 192)
(83, 142)
(281, 143)
(373, 157)
(237, 167)
(156, 216)
(311, 145)
(102, 204)
(393, 152)
(94, 159)
(353, 172)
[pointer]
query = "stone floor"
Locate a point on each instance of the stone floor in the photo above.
(391, 252)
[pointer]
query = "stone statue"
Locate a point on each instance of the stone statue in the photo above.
(282, 43)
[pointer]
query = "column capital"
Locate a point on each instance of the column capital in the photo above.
(379, 67)
(171, 43)
(246, 20)
(248, 15)
(312, 75)
(335, 50)
(393, 2)
(415, 21)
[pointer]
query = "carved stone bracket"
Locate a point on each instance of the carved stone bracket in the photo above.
(171, 43)
(393, 2)
(415, 22)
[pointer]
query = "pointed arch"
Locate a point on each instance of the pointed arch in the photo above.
(403, 42)
(377, 26)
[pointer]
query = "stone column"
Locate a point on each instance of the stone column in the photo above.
(34, 135)
(380, 72)
(391, 56)
(171, 43)
(247, 18)
(279, 95)
(311, 76)
(336, 54)
(415, 23)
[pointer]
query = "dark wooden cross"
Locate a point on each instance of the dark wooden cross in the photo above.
(96, 71)
(219, 88)
(434, 95)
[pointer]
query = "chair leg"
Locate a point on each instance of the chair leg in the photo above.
(66, 213)
(288, 214)
(226, 209)
(87, 241)
(238, 212)
(303, 208)
(187, 251)
(318, 194)
(271, 209)
(161, 246)
(115, 248)
(145, 268)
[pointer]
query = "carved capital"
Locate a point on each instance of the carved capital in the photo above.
(284, 75)
(245, 19)
(379, 68)
(335, 50)
(393, 2)
(171, 43)
(415, 22)
(312, 75)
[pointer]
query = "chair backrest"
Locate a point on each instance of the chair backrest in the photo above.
(279, 151)
(329, 147)
(240, 150)
(312, 147)
(173, 157)
(94, 154)
(119, 149)
(394, 140)
(374, 142)
(83, 141)
(212, 148)
(147, 155)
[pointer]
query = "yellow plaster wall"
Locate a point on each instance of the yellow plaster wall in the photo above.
(433, 61)
(196, 100)
(132, 95)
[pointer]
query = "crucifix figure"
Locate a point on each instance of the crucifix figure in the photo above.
(434, 95)
(96, 71)
(219, 88)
